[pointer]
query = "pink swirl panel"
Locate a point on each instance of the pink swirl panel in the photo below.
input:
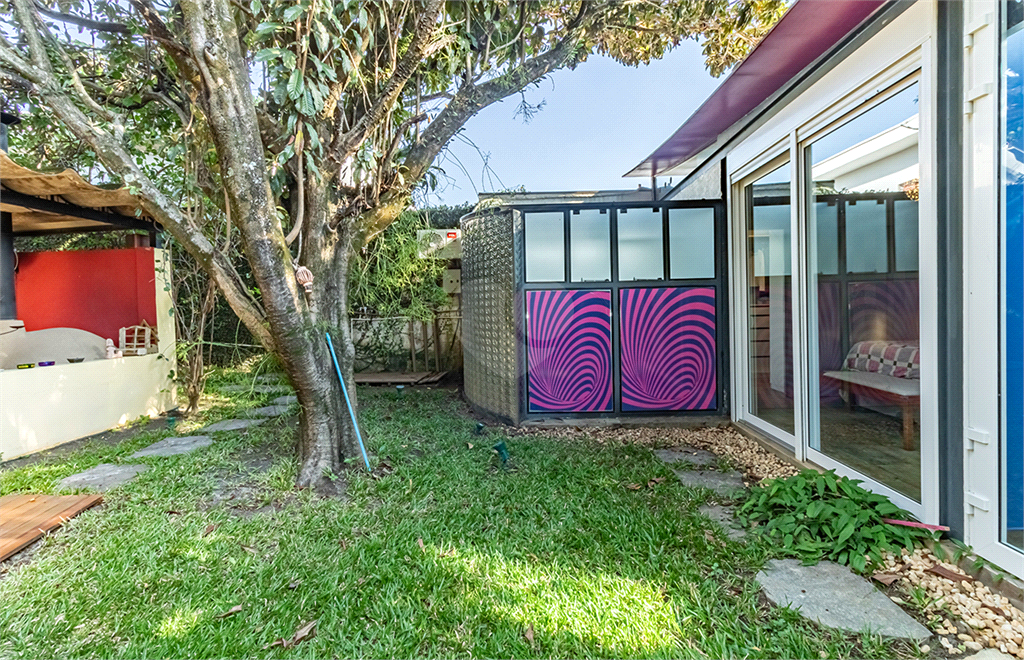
(667, 358)
(569, 351)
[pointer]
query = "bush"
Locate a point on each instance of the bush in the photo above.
(814, 516)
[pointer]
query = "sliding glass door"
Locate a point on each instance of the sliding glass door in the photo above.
(831, 320)
(863, 302)
(769, 300)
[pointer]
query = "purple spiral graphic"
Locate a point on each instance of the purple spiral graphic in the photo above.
(569, 350)
(668, 359)
(885, 311)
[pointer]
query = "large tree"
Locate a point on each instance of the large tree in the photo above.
(307, 125)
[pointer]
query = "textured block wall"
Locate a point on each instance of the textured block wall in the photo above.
(489, 312)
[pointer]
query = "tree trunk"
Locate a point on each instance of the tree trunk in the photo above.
(327, 438)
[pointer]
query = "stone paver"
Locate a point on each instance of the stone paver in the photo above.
(835, 597)
(262, 388)
(269, 411)
(231, 425)
(286, 400)
(725, 516)
(174, 446)
(102, 477)
(683, 454)
(990, 654)
(726, 484)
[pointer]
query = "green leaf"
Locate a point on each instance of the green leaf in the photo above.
(296, 85)
(292, 13)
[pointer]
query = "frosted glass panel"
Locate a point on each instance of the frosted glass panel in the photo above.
(827, 219)
(545, 247)
(691, 237)
(590, 246)
(906, 235)
(867, 246)
(641, 255)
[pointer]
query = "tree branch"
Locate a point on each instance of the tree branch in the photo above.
(345, 144)
(81, 21)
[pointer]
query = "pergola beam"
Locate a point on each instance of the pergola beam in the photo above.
(115, 220)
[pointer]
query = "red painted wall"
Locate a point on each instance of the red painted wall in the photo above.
(100, 291)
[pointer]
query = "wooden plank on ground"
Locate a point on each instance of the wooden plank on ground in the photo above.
(24, 518)
(432, 378)
(388, 377)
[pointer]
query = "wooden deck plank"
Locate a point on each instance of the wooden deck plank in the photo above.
(24, 518)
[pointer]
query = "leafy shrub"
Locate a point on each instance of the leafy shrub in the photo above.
(814, 516)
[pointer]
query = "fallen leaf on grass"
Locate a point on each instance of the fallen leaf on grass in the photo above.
(955, 578)
(419, 542)
(634, 486)
(469, 445)
(654, 482)
(234, 610)
(173, 513)
(529, 634)
(210, 529)
(294, 584)
(885, 578)
(251, 550)
(301, 634)
(709, 537)
(343, 543)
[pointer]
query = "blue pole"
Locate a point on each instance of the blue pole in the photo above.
(348, 401)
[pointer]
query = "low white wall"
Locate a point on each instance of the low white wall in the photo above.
(47, 406)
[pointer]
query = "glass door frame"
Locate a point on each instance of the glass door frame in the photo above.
(740, 293)
(915, 68)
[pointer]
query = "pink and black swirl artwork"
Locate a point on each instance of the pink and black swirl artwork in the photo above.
(668, 359)
(569, 350)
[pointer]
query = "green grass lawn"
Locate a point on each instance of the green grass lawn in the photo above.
(448, 555)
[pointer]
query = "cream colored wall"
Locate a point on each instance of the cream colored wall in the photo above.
(48, 406)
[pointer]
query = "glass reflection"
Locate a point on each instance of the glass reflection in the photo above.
(863, 288)
(770, 302)
(590, 246)
(545, 247)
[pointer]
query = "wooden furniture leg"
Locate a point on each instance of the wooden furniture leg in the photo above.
(908, 426)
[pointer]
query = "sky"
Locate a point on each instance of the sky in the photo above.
(597, 123)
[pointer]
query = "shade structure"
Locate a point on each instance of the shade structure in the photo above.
(42, 203)
(810, 29)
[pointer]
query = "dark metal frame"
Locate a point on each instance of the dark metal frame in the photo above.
(719, 283)
(113, 221)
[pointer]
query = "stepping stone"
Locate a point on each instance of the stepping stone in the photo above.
(835, 597)
(232, 425)
(258, 389)
(990, 654)
(269, 411)
(174, 446)
(726, 484)
(102, 477)
(683, 454)
(725, 516)
(286, 400)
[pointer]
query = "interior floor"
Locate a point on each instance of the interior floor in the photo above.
(867, 441)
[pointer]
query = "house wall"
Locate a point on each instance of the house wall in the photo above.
(100, 291)
(47, 406)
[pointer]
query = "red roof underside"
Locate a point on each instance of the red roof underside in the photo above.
(807, 31)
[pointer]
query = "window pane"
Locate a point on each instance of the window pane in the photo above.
(1012, 76)
(691, 244)
(827, 220)
(867, 357)
(906, 235)
(867, 244)
(545, 247)
(640, 245)
(590, 246)
(770, 302)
